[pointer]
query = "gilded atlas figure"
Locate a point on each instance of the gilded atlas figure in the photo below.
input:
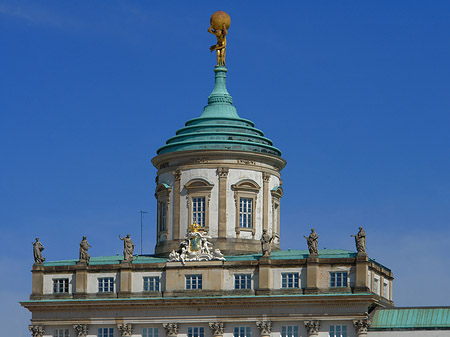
(360, 241)
(38, 247)
(220, 22)
(128, 248)
(84, 255)
(312, 241)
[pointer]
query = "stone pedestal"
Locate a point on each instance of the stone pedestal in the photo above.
(362, 273)
(37, 288)
(81, 280)
(265, 276)
(125, 279)
(312, 274)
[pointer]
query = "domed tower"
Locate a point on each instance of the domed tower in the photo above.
(221, 172)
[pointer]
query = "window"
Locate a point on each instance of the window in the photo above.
(376, 285)
(338, 331)
(289, 331)
(151, 283)
(245, 212)
(289, 280)
(60, 285)
(61, 333)
(193, 282)
(338, 279)
(198, 210)
(162, 211)
(245, 195)
(105, 332)
(106, 284)
(242, 281)
(242, 331)
(150, 332)
(386, 289)
(197, 331)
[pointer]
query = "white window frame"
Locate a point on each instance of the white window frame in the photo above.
(245, 189)
(106, 283)
(242, 331)
(242, 281)
(151, 282)
(198, 188)
(340, 279)
(194, 282)
(196, 331)
(338, 331)
(150, 332)
(289, 331)
(105, 332)
(290, 280)
(61, 333)
(59, 283)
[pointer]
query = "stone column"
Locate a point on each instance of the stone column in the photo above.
(312, 274)
(222, 172)
(36, 330)
(81, 330)
(362, 271)
(37, 288)
(217, 329)
(81, 279)
(176, 204)
(265, 328)
(361, 326)
(125, 279)
(266, 178)
(171, 329)
(125, 329)
(312, 327)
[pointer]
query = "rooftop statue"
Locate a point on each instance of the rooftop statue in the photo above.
(360, 240)
(128, 248)
(312, 241)
(38, 247)
(195, 247)
(84, 255)
(220, 22)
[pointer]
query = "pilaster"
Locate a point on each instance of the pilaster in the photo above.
(222, 172)
(176, 205)
(266, 178)
(312, 274)
(81, 277)
(362, 271)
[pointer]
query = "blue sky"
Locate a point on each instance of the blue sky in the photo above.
(355, 94)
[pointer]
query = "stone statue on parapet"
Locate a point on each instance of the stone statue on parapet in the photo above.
(84, 255)
(195, 247)
(220, 22)
(266, 243)
(360, 241)
(128, 248)
(38, 247)
(312, 241)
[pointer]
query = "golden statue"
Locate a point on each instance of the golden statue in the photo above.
(220, 22)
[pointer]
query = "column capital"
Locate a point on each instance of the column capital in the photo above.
(81, 330)
(171, 329)
(222, 172)
(266, 177)
(36, 330)
(362, 326)
(125, 329)
(265, 327)
(312, 327)
(217, 328)
(177, 174)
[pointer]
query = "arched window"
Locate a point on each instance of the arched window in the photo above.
(199, 194)
(245, 195)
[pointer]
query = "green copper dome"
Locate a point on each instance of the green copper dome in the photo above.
(219, 127)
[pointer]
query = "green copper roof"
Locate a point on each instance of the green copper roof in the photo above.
(411, 318)
(219, 127)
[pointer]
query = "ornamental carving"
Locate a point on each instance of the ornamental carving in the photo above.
(171, 329)
(222, 172)
(195, 247)
(217, 328)
(36, 330)
(81, 330)
(125, 329)
(312, 327)
(266, 177)
(177, 174)
(361, 325)
(246, 162)
(265, 327)
(200, 160)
